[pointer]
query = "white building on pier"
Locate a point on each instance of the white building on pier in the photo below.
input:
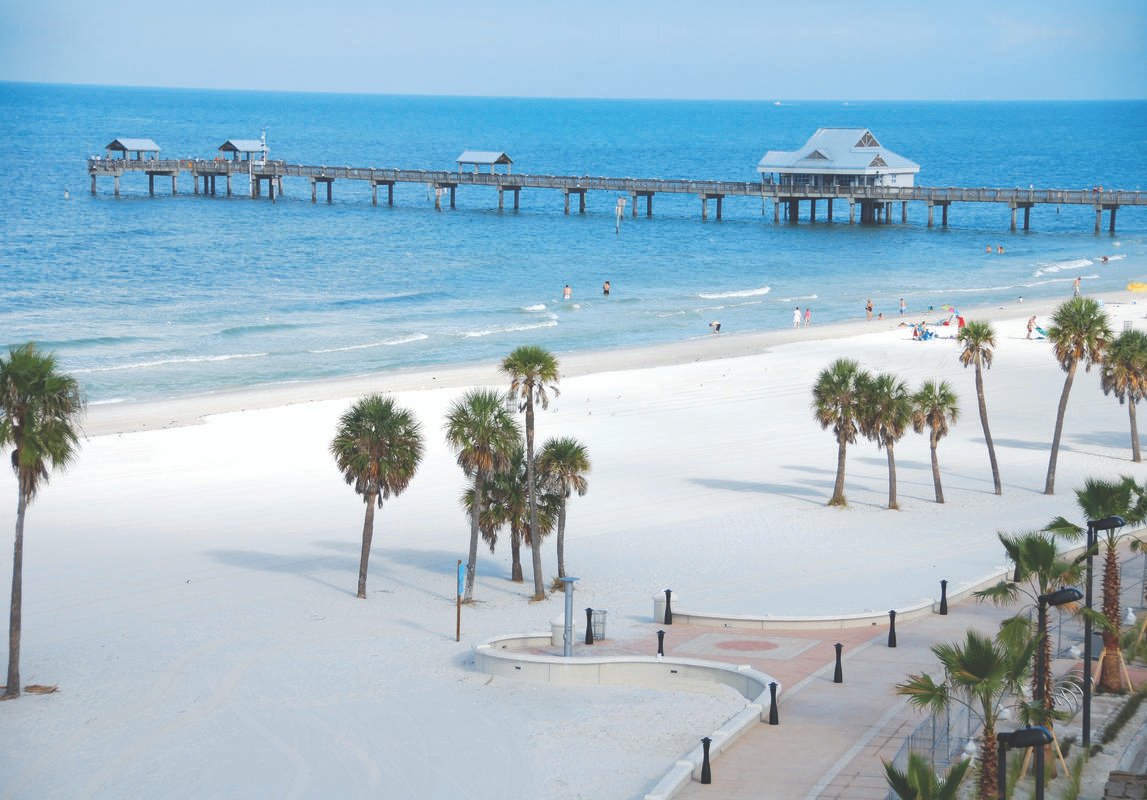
(838, 157)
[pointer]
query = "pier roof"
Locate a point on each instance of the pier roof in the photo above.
(484, 158)
(838, 150)
(133, 145)
(242, 146)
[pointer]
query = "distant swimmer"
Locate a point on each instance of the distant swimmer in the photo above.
(988, 249)
(567, 292)
(716, 326)
(797, 317)
(1000, 249)
(605, 287)
(1102, 259)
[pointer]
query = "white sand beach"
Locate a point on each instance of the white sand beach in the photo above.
(189, 582)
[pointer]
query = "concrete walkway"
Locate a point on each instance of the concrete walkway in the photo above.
(831, 737)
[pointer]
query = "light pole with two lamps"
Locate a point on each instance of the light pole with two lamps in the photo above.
(1022, 739)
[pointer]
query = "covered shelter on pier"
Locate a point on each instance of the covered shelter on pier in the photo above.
(484, 158)
(245, 149)
(134, 149)
(838, 157)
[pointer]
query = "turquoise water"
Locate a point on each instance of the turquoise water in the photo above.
(154, 297)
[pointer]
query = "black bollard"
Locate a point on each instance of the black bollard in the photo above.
(668, 608)
(706, 775)
(661, 643)
(774, 718)
(943, 598)
(589, 626)
(838, 675)
(892, 628)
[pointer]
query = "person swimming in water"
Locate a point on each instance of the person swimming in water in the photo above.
(605, 287)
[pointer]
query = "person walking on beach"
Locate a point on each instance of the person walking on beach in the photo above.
(903, 306)
(1031, 325)
(808, 316)
(1075, 287)
(868, 309)
(567, 292)
(797, 317)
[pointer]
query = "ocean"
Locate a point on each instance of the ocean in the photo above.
(151, 297)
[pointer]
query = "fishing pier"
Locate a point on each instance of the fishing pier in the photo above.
(257, 177)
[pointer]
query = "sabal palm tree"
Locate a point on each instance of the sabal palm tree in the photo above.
(979, 673)
(935, 407)
(1124, 374)
(485, 434)
(885, 414)
(920, 782)
(979, 340)
(1079, 331)
(506, 504)
(39, 418)
(533, 374)
(562, 465)
(1098, 499)
(1039, 570)
(377, 447)
(836, 405)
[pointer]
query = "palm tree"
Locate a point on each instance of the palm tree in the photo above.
(919, 782)
(505, 503)
(562, 465)
(885, 414)
(935, 407)
(484, 433)
(979, 339)
(1098, 499)
(39, 411)
(978, 673)
(1079, 331)
(533, 372)
(1124, 373)
(836, 404)
(1039, 571)
(377, 447)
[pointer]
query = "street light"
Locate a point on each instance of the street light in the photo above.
(1094, 526)
(1021, 739)
(1068, 594)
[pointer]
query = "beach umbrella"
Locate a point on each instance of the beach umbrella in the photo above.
(1137, 286)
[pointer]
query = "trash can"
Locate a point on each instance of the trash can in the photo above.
(597, 621)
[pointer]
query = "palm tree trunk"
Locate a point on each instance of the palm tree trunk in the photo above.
(367, 536)
(562, 539)
(891, 477)
(936, 469)
(1109, 675)
(532, 499)
(13, 687)
(1049, 486)
(1134, 432)
(516, 556)
(987, 433)
(838, 489)
(475, 518)
(987, 785)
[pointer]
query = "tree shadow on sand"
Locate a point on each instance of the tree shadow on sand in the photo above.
(302, 565)
(759, 487)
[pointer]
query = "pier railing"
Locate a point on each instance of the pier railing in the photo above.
(581, 183)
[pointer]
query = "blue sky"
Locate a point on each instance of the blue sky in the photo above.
(886, 49)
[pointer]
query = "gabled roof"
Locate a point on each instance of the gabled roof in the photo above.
(838, 150)
(132, 145)
(242, 146)
(483, 158)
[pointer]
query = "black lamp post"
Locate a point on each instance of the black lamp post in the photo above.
(1094, 526)
(1019, 740)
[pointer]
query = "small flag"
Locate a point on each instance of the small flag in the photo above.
(461, 578)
